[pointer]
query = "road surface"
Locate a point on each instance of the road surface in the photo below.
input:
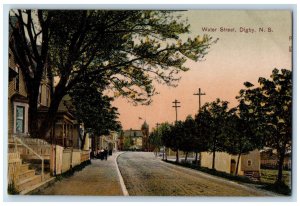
(146, 175)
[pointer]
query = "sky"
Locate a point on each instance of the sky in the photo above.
(238, 56)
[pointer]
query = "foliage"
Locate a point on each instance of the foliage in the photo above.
(94, 109)
(130, 49)
(211, 120)
(270, 105)
(239, 129)
(127, 143)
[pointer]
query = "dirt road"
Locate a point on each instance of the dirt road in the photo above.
(146, 175)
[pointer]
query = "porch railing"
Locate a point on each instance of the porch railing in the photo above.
(19, 140)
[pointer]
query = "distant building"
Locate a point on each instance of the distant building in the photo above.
(269, 159)
(249, 164)
(135, 139)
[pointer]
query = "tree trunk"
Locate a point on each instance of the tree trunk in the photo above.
(213, 162)
(200, 159)
(166, 154)
(214, 153)
(51, 114)
(237, 164)
(280, 165)
(83, 140)
(196, 158)
(33, 93)
(33, 119)
(186, 154)
(177, 156)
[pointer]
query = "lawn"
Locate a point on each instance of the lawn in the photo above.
(269, 176)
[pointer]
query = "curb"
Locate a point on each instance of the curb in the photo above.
(123, 186)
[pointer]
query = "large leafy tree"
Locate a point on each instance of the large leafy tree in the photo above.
(131, 49)
(166, 135)
(189, 136)
(271, 105)
(177, 137)
(94, 109)
(239, 131)
(202, 133)
(212, 119)
(155, 140)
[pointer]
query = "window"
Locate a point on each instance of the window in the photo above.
(249, 163)
(20, 119)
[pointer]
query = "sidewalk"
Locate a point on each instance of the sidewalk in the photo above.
(100, 178)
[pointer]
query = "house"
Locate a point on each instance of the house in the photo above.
(269, 159)
(18, 103)
(109, 141)
(135, 139)
(31, 162)
(249, 164)
(20, 157)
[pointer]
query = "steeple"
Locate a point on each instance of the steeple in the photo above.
(145, 126)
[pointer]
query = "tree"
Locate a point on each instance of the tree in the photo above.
(189, 136)
(239, 130)
(271, 106)
(213, 115)
(155, 139)
(177, 137)
(202, 134)
(166, 135)
(94, 109)
(130, 49)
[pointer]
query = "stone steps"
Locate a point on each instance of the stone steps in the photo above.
(28, 182)
(26, 174)
(24, 167)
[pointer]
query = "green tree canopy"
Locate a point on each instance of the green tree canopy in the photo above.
(94, 109)
(270, 104)
(211, 120)
(130, 49)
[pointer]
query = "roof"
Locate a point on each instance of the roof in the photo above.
(19, 98)
(133, 133)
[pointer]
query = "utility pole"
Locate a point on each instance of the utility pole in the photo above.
(199, 94)
(157, 124)
(176, 106)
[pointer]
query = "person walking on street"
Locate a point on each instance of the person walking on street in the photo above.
(105, 153)
(102, 153)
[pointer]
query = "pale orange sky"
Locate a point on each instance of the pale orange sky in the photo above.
(237, 57)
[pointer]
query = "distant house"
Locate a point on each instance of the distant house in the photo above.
(269, 159)
(135, 137)
(249, 164)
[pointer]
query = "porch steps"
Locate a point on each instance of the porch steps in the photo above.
(254, 176)
(28, 177)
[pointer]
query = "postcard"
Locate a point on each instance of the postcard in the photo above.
(150, 103)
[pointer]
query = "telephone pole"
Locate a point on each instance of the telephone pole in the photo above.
(199, 94)
(157, 124)
(176, 106)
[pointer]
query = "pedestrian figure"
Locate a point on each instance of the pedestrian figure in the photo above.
(105, 153)
(102, 153)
